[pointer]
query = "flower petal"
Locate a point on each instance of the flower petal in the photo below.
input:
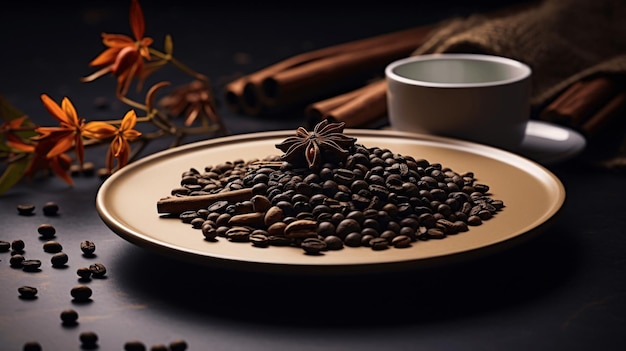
(70, 112)
(117, 40)
(53, 108)
(137, 22)
(99, 130)
(129, 120)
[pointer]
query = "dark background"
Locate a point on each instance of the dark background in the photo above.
(564, 290)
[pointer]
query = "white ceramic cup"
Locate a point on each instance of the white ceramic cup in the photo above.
(481, 98)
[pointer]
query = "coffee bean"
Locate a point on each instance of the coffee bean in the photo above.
(32, 346)
(87, 247)
(52, 246)
(25, 209)
(313, 245)
(159, 347)
(209, 230)
(178, 345)
(69, 317)
(59, 259)
(259, 238)
(238, 234)
(27, 292)
(353, 239)
(379, 244)
(31, 265)
(333, 242)
(5, 246)
(81, 293)
(88, 340)
(84, 273)
(98, 270)
(134, 345)
(18, 245)
(50, 209)
(401, 241)
(16, 261)
(46, 231)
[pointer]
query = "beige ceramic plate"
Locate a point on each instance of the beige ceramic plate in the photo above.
(127, 204)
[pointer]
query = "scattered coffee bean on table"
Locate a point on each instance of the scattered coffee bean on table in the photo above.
(27, 292)
(59, 259)
(16, 261)
(88, 247)
(46, 231)
(32, 346)
(50, 208)
(5, 246)
(88, 339)
(159, 347)
(31, 265)
(178, 345)
(98, 270)
(69, 317)
(52, 246)
(81, 293)
(134, 345)
(18, 245)
(84, 273)
(25, 209)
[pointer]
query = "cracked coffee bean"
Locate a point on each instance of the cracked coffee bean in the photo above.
(88, 247)
(98, 270)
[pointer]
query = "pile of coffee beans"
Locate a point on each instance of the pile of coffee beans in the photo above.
(375, 198)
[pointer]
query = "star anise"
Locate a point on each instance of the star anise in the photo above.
(325, 142)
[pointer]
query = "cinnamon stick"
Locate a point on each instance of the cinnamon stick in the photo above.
(606, 116)
(242, 94)
(356, 108)
(176, 205)
(580, 101)
(299, 83)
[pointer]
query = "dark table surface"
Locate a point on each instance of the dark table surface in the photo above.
(563, 290)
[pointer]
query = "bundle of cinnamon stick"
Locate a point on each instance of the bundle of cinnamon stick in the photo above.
(591, 105)
(321, 73)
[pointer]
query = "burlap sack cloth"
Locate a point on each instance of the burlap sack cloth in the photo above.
(561, 40)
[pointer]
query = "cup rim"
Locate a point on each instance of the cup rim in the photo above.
(525, 70)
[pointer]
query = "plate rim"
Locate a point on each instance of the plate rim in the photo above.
(194, 256)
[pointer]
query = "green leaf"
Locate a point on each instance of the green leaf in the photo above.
(14, 173)
(7, 111)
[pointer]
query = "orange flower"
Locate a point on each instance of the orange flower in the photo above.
(59, 163)
(124, 57)
(10, 132)
(120, 145)
(68, 134)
